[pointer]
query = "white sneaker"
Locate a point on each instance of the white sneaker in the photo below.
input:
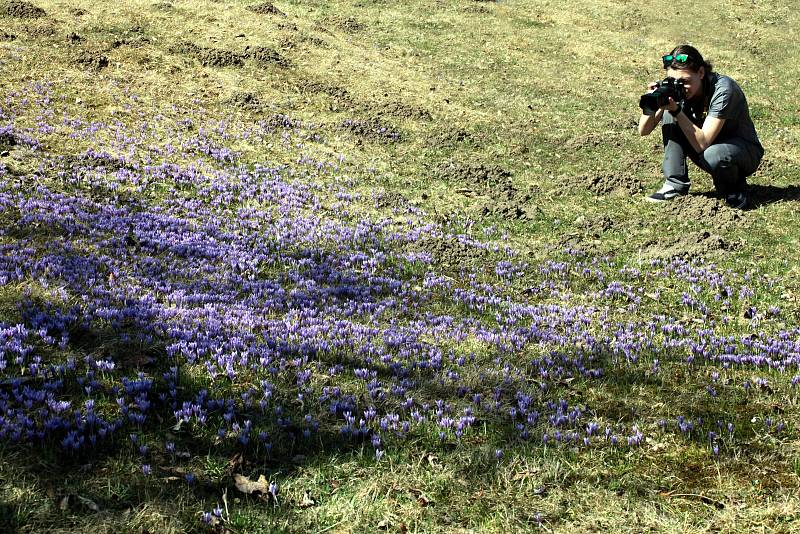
(666, 193)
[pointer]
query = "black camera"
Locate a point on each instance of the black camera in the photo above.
(665, 89)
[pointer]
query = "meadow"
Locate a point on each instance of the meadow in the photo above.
(372, 266)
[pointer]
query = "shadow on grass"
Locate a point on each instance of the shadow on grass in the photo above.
(215, 457)
(763, 195)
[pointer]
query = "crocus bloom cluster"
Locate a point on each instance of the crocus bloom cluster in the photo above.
(162, 271)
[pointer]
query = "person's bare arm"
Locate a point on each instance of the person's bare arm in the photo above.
(699, 138)
(647, 123)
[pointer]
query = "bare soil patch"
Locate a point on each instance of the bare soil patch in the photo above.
(295, 40)
(478, 9)
(264, 55)
(588, 141)
(390, 199)
(596, 226)
(399, 110)
(279, 120)
(604, 183)
(245, 101)
(507, 202)
(341, 95)
(23, 10)
(710, 212)
(40, 27)
(475, 176)
(451, 252)
(265, 8)
(208, 57)
(7, 140)
(449, 139)
(492, 185)
(91, 60)
(216, 57)
(371, 129)
(690, 245)
(345, 24)
(73, 38)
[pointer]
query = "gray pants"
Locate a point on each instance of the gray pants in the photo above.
(728, 161)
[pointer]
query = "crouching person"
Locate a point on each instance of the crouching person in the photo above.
(704, 116)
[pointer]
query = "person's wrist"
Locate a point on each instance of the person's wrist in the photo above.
(675, 112)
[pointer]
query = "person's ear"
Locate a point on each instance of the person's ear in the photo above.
(702, 72)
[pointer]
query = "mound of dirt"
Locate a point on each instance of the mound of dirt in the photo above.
(265, 9)
(450, 252)
(507, 202)
(592, 140)
(708, 211)
(339, 94)
(23, 10)
(492, 184)
(690, 245)
(41, 27)
(246, 101)
(371, 129)
(91, 60)
(478, 9)
(595, 226)
(208, 57)
(390, 199)
(186, 48)
(279, 120)
(7, 140)
(133, 42)
(400, 110)
(449, 139)
(216, 57)
(345, 24)
(605, 183)
(289, 42)
(265, 56)
(510, 211)
(475, 176)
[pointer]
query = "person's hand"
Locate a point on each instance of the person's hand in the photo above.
(651, 87)
(671, 105)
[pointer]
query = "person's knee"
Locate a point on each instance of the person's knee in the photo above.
(718, 158)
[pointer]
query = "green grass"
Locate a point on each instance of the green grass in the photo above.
(544, 90)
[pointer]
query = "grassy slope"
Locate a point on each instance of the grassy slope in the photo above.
(546, 90)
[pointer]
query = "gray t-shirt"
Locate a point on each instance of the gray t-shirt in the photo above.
(727, 102)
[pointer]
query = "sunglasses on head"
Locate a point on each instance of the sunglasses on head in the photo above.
(669, 58)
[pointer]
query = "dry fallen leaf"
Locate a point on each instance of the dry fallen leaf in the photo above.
(235, 462)
(245, 485)
(88, 503)
(307, 501)
(422, 499)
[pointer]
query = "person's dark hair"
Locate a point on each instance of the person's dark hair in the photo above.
(693, 62)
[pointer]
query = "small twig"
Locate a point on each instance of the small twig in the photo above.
(703, 498)
(330, 527)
